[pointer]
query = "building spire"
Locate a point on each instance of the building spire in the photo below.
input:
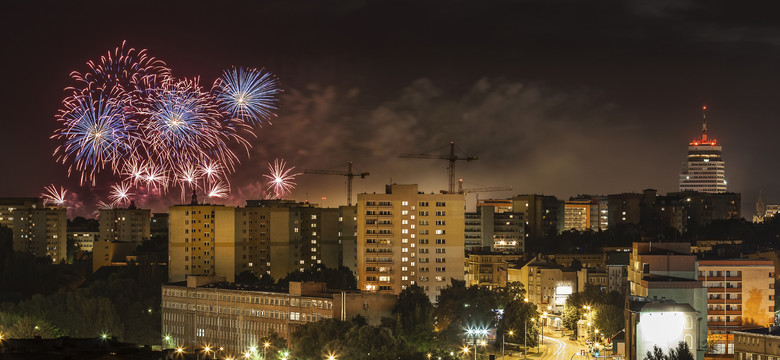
(704, 123)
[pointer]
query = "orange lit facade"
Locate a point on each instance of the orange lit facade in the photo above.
(740, 295)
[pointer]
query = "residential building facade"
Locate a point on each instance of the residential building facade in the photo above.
(740, 295)
(41, 231)
(406, 237)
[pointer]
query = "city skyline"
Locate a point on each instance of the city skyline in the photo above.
(546, 108)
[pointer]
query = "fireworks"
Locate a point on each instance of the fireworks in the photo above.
(248, 94)
(52, 196)
(280, 179)
(127, 116)
(120, 194)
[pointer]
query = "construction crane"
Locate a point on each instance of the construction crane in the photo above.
(451, 157)
(349, 174)
(461, 190)
(478, 190)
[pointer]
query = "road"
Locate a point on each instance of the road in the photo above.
(561, 348)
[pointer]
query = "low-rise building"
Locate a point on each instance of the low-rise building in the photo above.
(757, 344)
(489, 269)
(662, 323)
(203, 310)
(547, 283)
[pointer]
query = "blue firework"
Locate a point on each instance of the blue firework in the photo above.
(95, 133)
(248, 94)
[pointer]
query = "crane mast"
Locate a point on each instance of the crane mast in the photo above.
(349, 174)
(451, 157)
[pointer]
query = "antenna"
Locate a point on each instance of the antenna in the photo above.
(704, 123)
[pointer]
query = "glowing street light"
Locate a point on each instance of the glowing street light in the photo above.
(502, 342)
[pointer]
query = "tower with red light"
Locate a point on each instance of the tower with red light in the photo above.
(705, 170)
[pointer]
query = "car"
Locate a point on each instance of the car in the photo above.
(588, 342)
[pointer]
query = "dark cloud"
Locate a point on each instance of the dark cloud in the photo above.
(554, 96)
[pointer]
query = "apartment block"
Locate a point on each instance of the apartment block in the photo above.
(42, 231)
(740, 295)
(493, 231)
(407, 237)
(125, 225)
(9, 204)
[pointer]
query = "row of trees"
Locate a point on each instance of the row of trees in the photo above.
(419, 328)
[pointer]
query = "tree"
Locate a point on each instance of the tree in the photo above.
(657, 354)
(609, 319)
(518, 318)
(682, 352)
(247, 277)
(415, 317)
(310, 339)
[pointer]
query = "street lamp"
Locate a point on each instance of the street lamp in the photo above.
(502, 344)
(265, 348)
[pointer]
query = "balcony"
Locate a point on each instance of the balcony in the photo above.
(724, 301)
(723, 323)
(724, 312)
(722, 289)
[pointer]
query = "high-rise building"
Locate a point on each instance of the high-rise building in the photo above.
(41, 231)
(740, 295)
(125, 225)
(489, 230)
(705, 170)
(544, 215)
(578, 215)
(348, 237)
(9, 204)
(273, 237)
(406, 237)
(121, 231)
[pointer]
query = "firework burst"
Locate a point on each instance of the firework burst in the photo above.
(248, 94)
(52, 196)
(120, 194)
(128, 115)
(280, 179)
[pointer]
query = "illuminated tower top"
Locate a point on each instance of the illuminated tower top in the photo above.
(705, 170)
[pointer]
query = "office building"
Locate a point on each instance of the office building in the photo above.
(740, 295)
(42, 231)
(406, 237)
(491, 231)
(704, 171)
(233, 317)
(9, 204)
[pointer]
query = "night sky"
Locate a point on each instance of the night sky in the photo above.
(555, 97)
